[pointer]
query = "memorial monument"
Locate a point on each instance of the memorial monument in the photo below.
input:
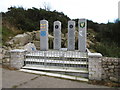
(71, 35)
(43, 35)
(82, 25)
(57, 35)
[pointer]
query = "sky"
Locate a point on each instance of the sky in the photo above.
(100, 11)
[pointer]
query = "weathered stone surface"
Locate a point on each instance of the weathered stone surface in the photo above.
(95, 68)
(30, 47)
(22, 39)
(37, 44)
(17, 58)
(114, 79)
(37, 35)
(2, 53)
(111, 68)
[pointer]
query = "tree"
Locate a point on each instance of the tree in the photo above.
(47, 6)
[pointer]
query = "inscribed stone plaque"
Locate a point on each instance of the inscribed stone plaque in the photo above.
(44, 35)
(71, 35)
(57, 35)
(82, 25)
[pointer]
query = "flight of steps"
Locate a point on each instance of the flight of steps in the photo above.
(64, 64)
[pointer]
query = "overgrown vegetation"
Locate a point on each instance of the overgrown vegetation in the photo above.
(29, 19)
(105, 38)
(9, 31)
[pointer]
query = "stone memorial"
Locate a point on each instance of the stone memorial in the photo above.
(82, 25)
(57, 35)
(43, 35)
(71, 35)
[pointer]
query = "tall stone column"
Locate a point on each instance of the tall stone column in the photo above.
(82, 25)
(43, 35)
(57, 35)
(71, 35)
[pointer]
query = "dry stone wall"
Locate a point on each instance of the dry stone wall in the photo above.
(17, 58)
(111, 69)
(104, 68)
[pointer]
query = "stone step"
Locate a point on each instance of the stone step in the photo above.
(58, 66)
(55, 75)
(58, 58)
(57, 54)
(37, 67)
(56, 61)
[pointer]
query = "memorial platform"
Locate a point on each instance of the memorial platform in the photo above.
(72, 64)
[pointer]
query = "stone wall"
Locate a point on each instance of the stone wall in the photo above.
(100, 68)
(95, 68)
(104, 68)
(111, 69)
(17, 58)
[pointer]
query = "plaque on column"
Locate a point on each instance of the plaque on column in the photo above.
(57, 35)
(82, 25)
(43, 35)
(71, 35)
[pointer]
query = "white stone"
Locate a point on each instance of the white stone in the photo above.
(82, 25)
(94, 54)
(37, 35)
(44, 35)
(37, 44)
(22, 39)
(71, 35)
(57, 35)
(30, 47)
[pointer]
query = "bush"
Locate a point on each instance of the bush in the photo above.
(108, 49)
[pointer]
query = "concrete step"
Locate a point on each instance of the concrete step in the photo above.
(55, 75)
(56, 61)
(58, 66)
(37, 67)
(58, 54)
(58, 58)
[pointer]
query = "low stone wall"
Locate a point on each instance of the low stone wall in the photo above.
(95, 68)
(111, 69)
(17, 58)
(104, 68)
(100, 68)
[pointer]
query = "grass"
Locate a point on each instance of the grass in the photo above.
(108, 49)
(7, 33)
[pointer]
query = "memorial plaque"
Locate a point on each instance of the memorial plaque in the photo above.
(82, 25)
(57, 35)
(71, 35)
(43, 35)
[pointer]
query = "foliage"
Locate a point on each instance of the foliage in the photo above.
(108, 36)
(108, 49)
(29, 19)
(7, 33)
